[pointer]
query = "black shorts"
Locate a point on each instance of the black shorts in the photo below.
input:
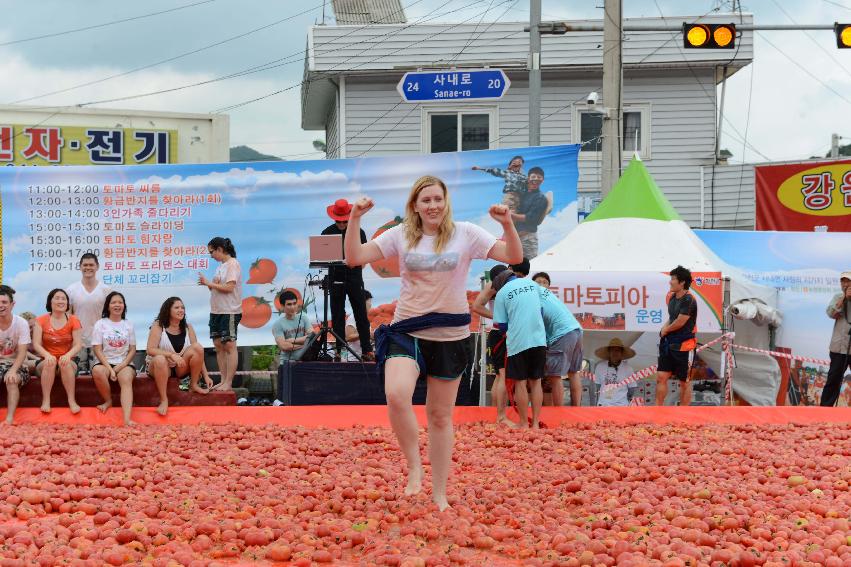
(446, 360)
(677, 362)
(223, 326)
(496, 349)
(527, 364)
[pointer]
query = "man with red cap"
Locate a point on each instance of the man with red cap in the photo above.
(345, 281)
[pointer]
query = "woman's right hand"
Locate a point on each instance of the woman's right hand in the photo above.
(50, 358)
(361, 206)
(112, 374)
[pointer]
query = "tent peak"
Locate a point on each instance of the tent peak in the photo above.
(635, 195)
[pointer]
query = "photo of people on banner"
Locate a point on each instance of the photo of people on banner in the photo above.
(149, 226)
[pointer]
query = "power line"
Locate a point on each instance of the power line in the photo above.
(811, 38)
(168, 60)
(103, 25)
(408, 46)
(804, 69)
(273, 64)
(837, 4)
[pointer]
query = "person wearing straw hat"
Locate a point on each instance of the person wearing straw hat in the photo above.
(611, 370)
(839, 310)
(345, 281)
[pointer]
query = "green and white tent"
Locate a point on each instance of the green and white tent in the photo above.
(636, 228)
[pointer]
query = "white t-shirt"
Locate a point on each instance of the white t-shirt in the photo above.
(436, 282)
(88, 307)
(605, 374)
(222, 303)
(18, 333)
(115, 337)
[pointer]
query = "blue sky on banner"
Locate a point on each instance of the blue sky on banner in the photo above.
(268, 210)
(803, 266)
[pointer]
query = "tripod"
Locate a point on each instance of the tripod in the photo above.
(325, 350)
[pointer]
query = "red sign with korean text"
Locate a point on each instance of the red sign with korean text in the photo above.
(804, 196)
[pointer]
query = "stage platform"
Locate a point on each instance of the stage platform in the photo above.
(350, 416)
(144, 394)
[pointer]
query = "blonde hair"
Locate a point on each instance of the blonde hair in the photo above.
(413, 222)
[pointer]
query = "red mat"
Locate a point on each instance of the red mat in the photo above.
(347, 416)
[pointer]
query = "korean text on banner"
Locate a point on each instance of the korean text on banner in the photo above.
(634, 301)
(804, 196)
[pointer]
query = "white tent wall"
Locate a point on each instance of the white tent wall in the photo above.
(641, 245)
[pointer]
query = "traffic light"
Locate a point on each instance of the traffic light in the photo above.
(843, 35)
(709, 36)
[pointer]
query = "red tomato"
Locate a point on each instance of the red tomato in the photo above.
(262, 271)
(256, 312)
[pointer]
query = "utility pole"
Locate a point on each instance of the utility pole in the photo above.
(612, 94)
(834, 145)
(534, 73)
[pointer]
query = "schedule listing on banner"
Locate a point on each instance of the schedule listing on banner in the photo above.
(150, 224)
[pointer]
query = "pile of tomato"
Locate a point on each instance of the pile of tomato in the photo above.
(588, 494)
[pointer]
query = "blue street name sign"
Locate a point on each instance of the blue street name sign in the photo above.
(467, 85)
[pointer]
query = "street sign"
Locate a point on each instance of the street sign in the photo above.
(461, 85)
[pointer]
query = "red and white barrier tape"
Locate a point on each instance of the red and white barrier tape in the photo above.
(785, 355)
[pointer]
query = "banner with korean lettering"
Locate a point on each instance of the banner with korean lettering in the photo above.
(150, 224)
(634, 301)
(81, 145)
(812, 196)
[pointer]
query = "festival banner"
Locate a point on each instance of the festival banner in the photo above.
(811, 196)
(150, 225)
(634, 301)
(804, 267)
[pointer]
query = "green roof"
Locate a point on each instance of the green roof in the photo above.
(635, 195)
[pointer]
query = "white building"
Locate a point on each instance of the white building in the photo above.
(670, 100)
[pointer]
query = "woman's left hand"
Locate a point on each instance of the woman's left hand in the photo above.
(500, 213)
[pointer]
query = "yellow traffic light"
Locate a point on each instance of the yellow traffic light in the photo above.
(843, 35)
(709, 36)
(697, 36)
(723, 36)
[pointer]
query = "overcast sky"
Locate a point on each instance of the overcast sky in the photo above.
(786, 105)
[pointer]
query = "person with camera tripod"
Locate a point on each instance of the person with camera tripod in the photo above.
(839, 310)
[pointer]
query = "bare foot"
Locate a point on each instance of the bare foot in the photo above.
(199, 390)
(415, 482)
(104, 406)
(45, 408)
(75, 409)
(507, 423)
(162, 409)
(221, 387)
(441, 503)
(129, 423)
(536, 425)
(9, 421)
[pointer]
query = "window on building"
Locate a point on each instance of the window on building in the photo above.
(458, 130)
(635, 124)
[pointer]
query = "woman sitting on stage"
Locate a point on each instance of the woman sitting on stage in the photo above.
(430, 327)
(114, 345)
(57, 338)
(173, 350)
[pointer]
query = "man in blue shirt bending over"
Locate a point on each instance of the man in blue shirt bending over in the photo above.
(517, 311)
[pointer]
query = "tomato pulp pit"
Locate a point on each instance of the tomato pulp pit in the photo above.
(579, 494)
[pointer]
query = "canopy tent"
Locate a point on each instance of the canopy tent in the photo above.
(636, 229)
